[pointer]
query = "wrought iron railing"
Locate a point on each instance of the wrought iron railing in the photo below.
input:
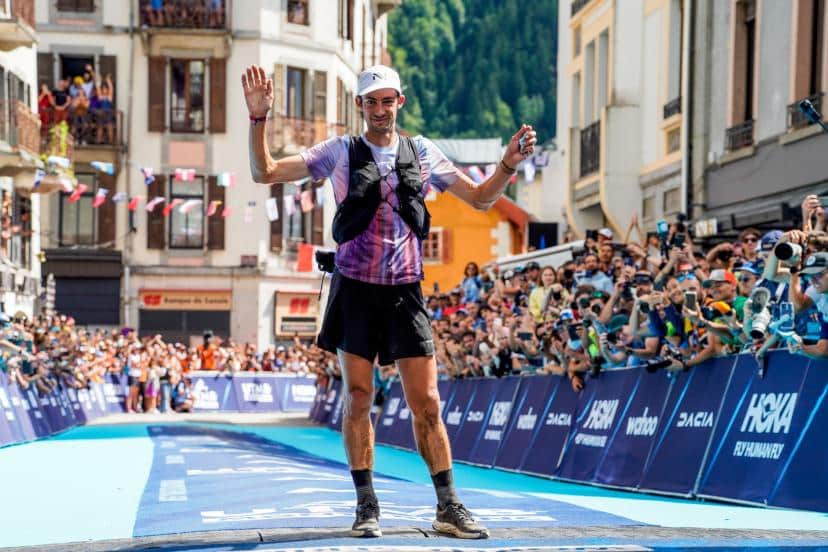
(97, 127)
(591, 149)
(19, 126)
(673, 107)
(797, 119)
(739, 136)
(185, 14)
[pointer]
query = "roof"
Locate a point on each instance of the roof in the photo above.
(471, 151)
(512, 212)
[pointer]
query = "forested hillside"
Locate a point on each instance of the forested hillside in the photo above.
(476, 68)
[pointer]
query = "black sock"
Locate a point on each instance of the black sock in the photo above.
(444, 486)
(363, 483)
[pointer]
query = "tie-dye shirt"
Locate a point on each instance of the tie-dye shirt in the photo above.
(388, 252)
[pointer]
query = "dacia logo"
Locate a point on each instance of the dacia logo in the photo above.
(695, 419)
(601, 415)
(769, 413)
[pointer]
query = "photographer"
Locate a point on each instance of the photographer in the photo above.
(591, 275)
(815, 271)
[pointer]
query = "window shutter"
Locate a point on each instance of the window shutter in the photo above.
(157, 90)
(106, 212)
(277, 191)
(317, 222)
(45, 70)
(215, 224)
(278, 90)
(108, 65)
(445, 245)
(155, 219)
(320, 95)
(218, 87)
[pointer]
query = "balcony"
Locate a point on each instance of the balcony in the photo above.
(20, 127)
(289, 135)
(17, 24)
(797, 119)
(739, 136)
(578, 5)
(99, 128)
(186, 14)
(590, 149)
(671, 108)
(58, 141)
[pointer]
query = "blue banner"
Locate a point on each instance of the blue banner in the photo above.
(760, 432)
(627, 453)
(602, 406)
(497, 420)
(257, 393)
(335, 419)
(387, 427)
(115, 392)
(296, 394)
(528, 414)
(458, 406)
(689, 416)
(334, 387)
(36, 413)
(470, 430)
(20, 405)
(9, 426)
(213, 393)
(554, 426)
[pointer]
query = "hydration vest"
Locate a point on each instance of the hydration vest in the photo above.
(357, 210)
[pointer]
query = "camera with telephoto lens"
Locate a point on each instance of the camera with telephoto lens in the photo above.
(788, 253)
(644, 307)
(325, 260)
(627, 291)
(759, 314)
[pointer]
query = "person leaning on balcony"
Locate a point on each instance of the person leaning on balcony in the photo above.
(80, 116)
(45, 101)
(375, 307)
(61, 101)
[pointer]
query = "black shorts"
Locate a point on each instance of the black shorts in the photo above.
(371, 320)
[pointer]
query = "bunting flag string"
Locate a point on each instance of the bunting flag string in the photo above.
(227, 212)
(212, 209)
(272, 209)
(289, 205)
(172, 205)
(100, 197)
(149, 177)
(107, 168)
(39, 175)
(306, 201)
(226, 179)
(119, 197)
(154, 202)
(134, 202)
(185, 175)
(189, 206)
(77, 193)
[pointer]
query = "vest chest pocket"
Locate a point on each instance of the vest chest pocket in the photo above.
(364, 182)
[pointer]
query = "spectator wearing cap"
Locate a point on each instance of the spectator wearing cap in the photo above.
(593, 276)
(604, 235)
(748, 276)
(472, 284)
(533, 272)
(721, 285)
(816, 271)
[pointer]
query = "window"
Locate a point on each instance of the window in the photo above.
(76, 5)
(345, 24)
(22, 231)
(648, 208)
(297, 225)
(297, 12)
(432, 247)
(187, 95)
(744, 59)
(672, 201)
(817, 45)
(187, 229)
(295, 93)
(576, 42)
(77, 220)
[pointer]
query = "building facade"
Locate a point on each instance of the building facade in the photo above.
(20, 160)
(620, 123)
(754, 154)
(207, 257)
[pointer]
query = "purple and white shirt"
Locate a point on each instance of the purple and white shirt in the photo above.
(388, 252)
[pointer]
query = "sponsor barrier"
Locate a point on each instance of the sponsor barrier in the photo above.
(717, 431)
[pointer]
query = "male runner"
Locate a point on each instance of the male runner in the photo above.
(375, 307)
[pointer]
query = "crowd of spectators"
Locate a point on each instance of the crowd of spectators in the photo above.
(83, 104)
(50, 350)
(183, 13)
(662, 301)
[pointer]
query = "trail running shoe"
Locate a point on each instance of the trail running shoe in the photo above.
(455, 520)
(367, 518)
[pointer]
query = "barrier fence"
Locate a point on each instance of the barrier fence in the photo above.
(717, 431)
(26, 414)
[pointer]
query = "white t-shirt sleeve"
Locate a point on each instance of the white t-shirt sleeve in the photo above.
(437, 170)
(323, 158)
(813, 294)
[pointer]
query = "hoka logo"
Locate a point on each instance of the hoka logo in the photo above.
(601, 415)
(393, 406)
(500, 413)
(769, 413)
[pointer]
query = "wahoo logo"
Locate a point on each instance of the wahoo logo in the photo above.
(601, 415)
(454, 416)
(393, 406)
(642, 425)
(526, 422)
(561, 419)
(475, 416)
(695, 419)
(769, 413)
(500, 413)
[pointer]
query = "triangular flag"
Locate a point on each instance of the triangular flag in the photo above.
(304, 258)
(39, 174)
(189, 205)
(320, 196)
(61, 162)
(272, 208)
(67, 184)
(172, 205)
(76, 195)
(155, 201)
(119, 197)
(149, 178)
(226, 179)
(185, 175)
(104, 167)
(100, 197)
(306, 201)
(134, 202)
(289, 205)
(212, 209)
(227, 212)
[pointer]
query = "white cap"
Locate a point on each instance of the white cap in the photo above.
(377, 78)
(606, 232)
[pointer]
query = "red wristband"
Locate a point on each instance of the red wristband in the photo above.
(257, 120)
